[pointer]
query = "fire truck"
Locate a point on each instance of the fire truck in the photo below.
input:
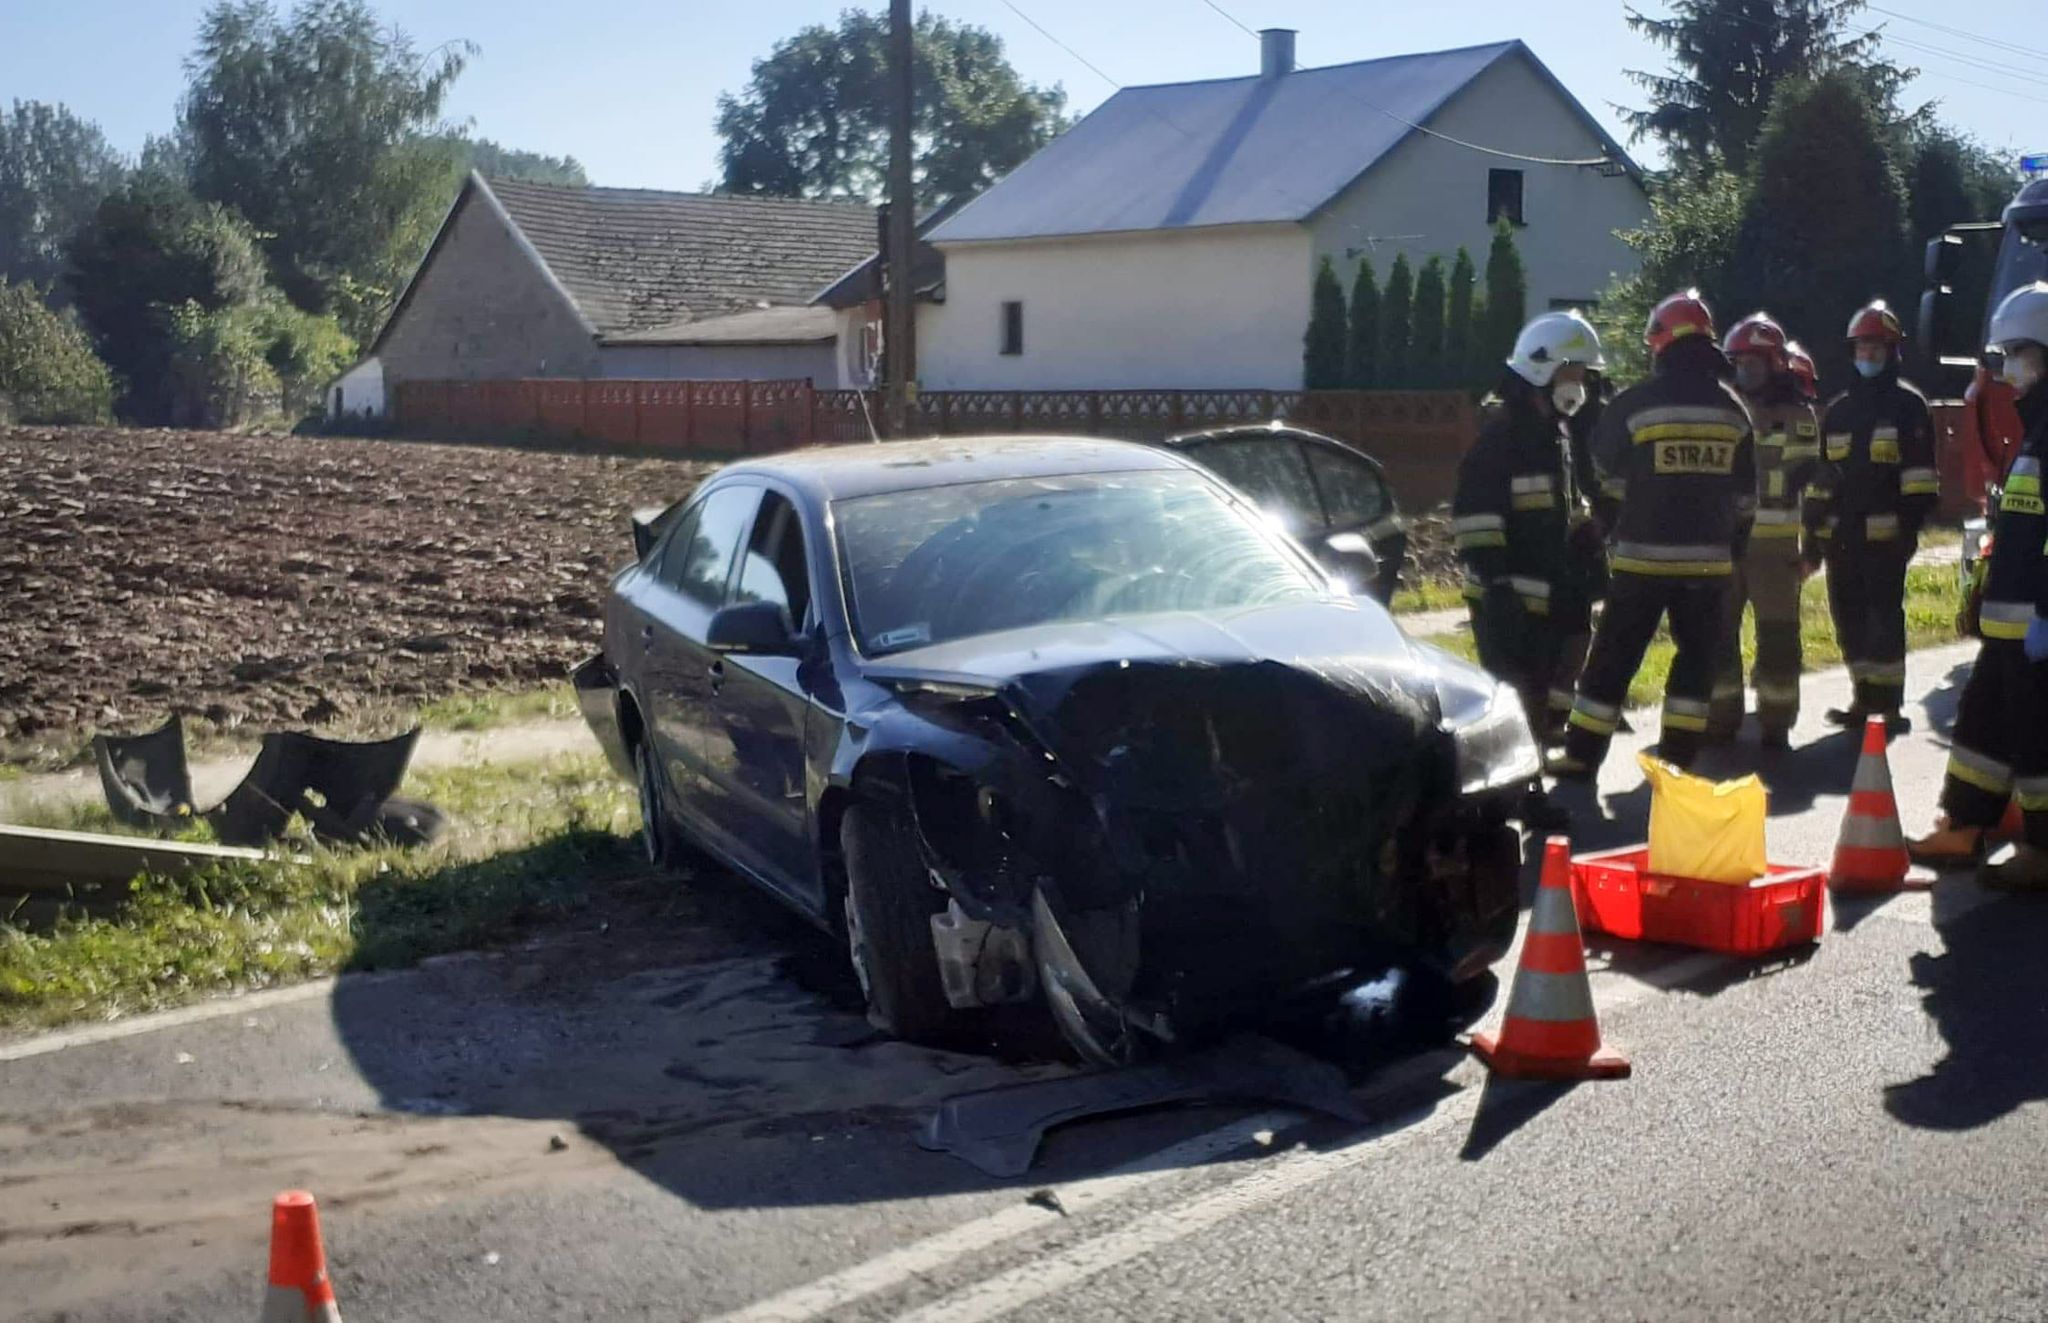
(1987, 427)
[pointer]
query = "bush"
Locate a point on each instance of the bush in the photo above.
(48, 372)
(1323, 347)
(251, 362)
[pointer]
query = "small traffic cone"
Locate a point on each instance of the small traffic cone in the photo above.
(1550, 1032)
(1870, 854)
(299, 1291)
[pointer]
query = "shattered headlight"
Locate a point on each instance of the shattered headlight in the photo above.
(1495, 748)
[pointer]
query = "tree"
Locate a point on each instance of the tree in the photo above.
(231, 366)
(1322, 355)
(312, 127)
(149, 248)
(1824, 226)
(54, 169)
(488, 158)
(1688, 243)
(48, 373)
(1426, 351)
(1362, 369)
(1397, 325)
(1458, 323)
(813, 120)
(1507, 295)
(1728, 58)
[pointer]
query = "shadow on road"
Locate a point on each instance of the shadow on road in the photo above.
(1987, 995)
(1505, 1106)
(717, 1045)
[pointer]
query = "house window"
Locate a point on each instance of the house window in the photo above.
(1013, 328)
(1504, 196)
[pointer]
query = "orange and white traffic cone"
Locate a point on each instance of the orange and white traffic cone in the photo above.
(1870, 854)
(299, 1291)
(1550, 1032)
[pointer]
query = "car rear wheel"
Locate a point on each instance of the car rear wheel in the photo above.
(658, 839)
(890, 902)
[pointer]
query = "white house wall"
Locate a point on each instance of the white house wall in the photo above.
(1429, 197)
(818, 362)
(1217, 308)
(359, 392)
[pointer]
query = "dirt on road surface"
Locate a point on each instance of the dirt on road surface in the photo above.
(293, 580)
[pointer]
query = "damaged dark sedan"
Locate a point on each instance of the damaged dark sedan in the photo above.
(1058, 720)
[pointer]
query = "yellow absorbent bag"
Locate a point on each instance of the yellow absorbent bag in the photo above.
(1709, 830)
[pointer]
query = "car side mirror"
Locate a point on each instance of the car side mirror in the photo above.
(757, 628)
(1354, 558)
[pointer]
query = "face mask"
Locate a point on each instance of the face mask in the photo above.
(1751, 377)
(1866, 368)
(1568, 397)
(2020, 373)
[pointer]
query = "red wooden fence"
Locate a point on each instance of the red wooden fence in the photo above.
(1419, 436)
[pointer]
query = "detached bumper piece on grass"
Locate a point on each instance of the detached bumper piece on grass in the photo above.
(345, 790)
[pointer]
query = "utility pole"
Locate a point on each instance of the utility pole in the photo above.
(899, 324)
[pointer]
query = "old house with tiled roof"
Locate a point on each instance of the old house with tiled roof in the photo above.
(535, 280)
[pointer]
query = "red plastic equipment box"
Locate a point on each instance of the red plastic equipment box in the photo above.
(1616, 895)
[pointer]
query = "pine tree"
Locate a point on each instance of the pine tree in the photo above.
(1323, 348)
(1397, 316)
(1507, 295)
(1363, 368)
(1426, 351)
(1458, 324)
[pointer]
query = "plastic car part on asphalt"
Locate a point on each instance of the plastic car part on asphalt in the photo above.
(999, 1130)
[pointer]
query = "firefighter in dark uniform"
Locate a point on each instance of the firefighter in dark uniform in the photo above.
(1876, 485)
(1587, 576)
(2000, 746)
(1518, 507)
(1775, 565)
(1678, 449)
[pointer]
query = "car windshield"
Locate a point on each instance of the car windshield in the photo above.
(934, 564)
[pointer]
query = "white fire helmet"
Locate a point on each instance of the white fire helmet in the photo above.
(1552, 340)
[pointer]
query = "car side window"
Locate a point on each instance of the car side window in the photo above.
(1352, 489)
(774, 568)
(668, 556)
(1271, 472)
(699, 559)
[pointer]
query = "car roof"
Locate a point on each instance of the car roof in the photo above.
(1255, 431)
(832, 473)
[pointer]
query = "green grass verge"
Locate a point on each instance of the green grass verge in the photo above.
(531, 842)
(1429, 595)
(1932, 596)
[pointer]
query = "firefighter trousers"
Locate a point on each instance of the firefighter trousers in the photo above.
(1768, 582)
(1867, 598)
(1522, 649)
(2000, 745)
(1635, 604)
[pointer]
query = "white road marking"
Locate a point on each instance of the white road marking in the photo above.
(1049, 1274)
(197, 1013)
(920, 1257)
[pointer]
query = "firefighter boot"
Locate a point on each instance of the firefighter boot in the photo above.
(2026, 871)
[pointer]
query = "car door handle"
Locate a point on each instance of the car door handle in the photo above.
(717, 673)
(647, 633)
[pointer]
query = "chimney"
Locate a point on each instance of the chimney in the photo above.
(1276, 52)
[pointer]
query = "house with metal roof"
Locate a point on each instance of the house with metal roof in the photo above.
(536, 280)
(1169, 240)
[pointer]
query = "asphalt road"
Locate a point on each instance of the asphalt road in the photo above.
(687, 1120)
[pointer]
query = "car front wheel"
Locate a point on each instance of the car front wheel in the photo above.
(658, 839)
(890, 902)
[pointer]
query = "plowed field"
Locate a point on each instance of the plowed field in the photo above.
(275, 581)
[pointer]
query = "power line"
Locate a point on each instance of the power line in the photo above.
(1232, 17)
(1063, 46)
(1585, 162)
(1996, 43)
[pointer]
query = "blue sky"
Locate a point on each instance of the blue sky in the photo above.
(629, 86)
